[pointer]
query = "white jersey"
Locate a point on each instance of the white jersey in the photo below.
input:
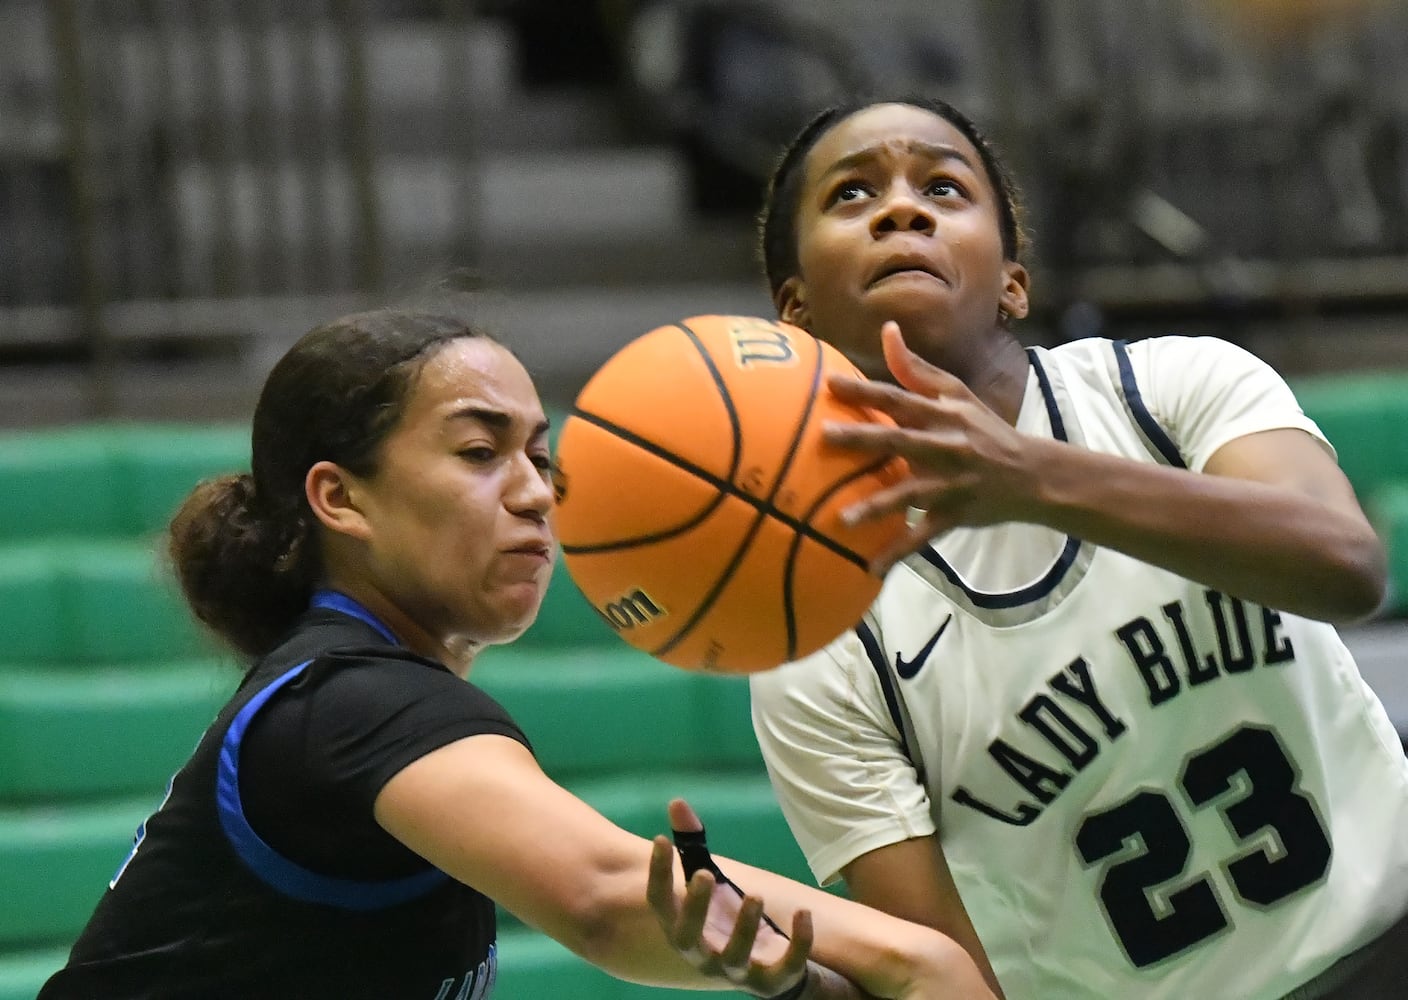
(1144, 788)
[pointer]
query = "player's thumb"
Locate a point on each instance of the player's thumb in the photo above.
(683, 817)
(910, 370)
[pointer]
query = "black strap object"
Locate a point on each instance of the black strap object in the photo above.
(693, 849)
(694, 854)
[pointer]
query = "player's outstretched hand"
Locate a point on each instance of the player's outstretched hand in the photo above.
(967, 463)
(720, 930)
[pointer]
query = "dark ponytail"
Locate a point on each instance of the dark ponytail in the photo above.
(243, 574)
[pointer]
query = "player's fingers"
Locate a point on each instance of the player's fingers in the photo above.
(897, 499)
(737, 952)
(908, 409)
(799, 949)
(882, 439)
(689, 930)
(660, 887)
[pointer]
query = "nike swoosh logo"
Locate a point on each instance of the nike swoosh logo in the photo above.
(908, 668)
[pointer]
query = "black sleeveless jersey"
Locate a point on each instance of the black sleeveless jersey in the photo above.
(264, 874)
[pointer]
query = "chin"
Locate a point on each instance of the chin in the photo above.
(518, 617)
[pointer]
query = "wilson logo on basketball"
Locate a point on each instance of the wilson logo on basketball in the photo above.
(631, 610)
(761, 343)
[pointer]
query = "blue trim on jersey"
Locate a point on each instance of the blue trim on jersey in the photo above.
(335, 601)
(1064, 561)
(881, 665)
(1152, 429)
(1043, 381)
(271, 867)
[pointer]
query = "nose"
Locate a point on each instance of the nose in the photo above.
(902, 210)
(529, 492)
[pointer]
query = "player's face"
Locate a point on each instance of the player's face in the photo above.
(459, 509)
(898, 220)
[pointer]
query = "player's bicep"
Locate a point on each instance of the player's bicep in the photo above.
(908, 879)
(1287, 457)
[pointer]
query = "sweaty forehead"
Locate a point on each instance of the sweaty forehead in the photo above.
(887, 129)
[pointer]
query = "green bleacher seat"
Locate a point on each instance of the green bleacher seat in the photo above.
(67, 734)
(156, 465)
(1363, 415)
(96, 601)
(108, 480)
(123, 605)
(56, 483)
(724, 711)
(56, 862)
(23, 972)
(602, 709)
(31, 603)
(739, 811)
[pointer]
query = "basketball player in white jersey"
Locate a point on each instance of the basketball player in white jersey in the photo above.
(1097, 725)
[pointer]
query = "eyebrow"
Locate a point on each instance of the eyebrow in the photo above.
(933, 150)
(497, 419)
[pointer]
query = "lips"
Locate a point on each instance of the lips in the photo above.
(905, 264)
(535, 548)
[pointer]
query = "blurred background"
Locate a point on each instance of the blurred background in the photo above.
(186, 186)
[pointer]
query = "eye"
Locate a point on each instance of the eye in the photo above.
(851, 190)
(543, 461)
(478, 454)
(945, 187)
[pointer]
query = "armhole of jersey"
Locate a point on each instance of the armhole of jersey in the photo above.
(889, 685)
(1155, 438)
(271, 867)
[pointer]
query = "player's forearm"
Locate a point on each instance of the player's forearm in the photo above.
(1273, 545)
(628, 942)
(885, 956)
(612, 927)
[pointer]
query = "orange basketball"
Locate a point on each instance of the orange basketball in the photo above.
(699, 508)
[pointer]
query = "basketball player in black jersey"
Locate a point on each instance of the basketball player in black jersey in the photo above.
(349, 819)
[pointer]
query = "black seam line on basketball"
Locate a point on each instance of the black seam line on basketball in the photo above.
(723, 487)
(789, 612)
(741, 552)
(735, 425)
(796, 547)
(714, 591)
(736, 431)
(659, 536)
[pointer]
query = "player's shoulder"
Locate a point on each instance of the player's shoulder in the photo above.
(1197, 351)
(1165, 349)
(382, 674)
(1161, 366)
(830, 669)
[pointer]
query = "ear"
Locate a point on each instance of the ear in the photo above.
(791, 303)
(331, 493)
(1015, 283)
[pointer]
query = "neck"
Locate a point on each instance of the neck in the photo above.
(456, 653)
(997, 375)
